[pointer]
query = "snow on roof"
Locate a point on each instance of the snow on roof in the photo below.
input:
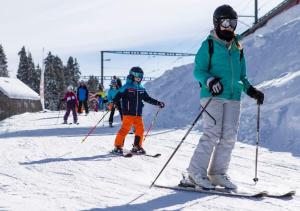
(14, 88)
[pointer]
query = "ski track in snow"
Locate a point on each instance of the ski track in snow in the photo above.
(35, 176)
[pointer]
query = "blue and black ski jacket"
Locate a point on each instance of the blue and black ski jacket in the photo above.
(82, 93)
(132, 96)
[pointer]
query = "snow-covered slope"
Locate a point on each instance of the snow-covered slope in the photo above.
(180, 92)
(44, 166)
(272, 54)
(280, 115)
(274, 49)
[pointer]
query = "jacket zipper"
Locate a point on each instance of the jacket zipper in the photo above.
(230, 58)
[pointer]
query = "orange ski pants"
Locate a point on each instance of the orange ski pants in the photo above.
(128, 121)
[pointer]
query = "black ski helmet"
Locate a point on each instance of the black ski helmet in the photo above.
(223, 12)
(136, 72)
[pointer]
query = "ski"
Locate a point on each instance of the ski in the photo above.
(148, 155)
(125, 154)
(282, 195)
(129, 154)
(217, 191)
(77, 123)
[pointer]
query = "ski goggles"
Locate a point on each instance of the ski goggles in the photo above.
(137, 75)
(226, 23)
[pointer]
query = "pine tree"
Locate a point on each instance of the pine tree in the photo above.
(32, 75)
(93, 84)
(37, 73)
(77, 72)
(23, 66)
(3, 63)
(54, 81)
(71, 72)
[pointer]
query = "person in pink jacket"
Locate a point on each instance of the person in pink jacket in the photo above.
(72, 102)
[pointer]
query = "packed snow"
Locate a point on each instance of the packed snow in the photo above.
(44, 166)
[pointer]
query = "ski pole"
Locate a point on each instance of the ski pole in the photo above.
(152, 123)
(209, 115)
(93, 128)
(189, 130)
(255, 179)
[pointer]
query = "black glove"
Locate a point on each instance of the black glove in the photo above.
(215, 86)
(256, 94)
(161, 104)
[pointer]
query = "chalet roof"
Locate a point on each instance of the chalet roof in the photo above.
(16, 89)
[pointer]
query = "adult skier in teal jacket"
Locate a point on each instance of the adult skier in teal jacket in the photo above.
(220, 68)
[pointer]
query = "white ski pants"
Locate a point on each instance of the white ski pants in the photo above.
(213, 152)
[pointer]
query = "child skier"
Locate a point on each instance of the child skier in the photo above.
(133, 94)
(222, 75)
(101, 97)
(72, 102)
(113, 90)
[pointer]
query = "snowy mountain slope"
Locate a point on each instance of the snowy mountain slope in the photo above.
(272, 55)
(280, 114)
(178, 89)
(274, 49)
(35, 176)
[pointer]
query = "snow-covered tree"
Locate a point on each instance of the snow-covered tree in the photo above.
(93, 84)
(3, 63)
(54, 81)
(22, 73)
(27, 71)
(71, 72)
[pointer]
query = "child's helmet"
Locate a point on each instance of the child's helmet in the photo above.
(70, 88)
(223, 12)
(136, 72)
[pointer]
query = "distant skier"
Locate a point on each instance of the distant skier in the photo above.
(83, 96)
(71, 101)
(223, 75)
(113, 90)
(133, 94)
(102, 98)
(119, 82)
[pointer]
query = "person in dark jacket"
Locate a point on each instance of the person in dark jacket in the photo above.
(82, 96)
(133, 94)
(112, 92)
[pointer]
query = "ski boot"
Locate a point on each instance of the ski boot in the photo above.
(117, 151)
(65, 122)
(201, 181)
(138, 150)
(222, 180)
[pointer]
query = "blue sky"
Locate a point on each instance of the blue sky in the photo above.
(83, 28)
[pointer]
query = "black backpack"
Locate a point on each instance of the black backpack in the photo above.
(211, 51)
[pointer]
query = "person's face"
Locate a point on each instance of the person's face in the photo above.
(136, 79)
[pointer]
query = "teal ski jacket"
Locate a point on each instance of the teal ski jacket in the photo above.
(225, 64)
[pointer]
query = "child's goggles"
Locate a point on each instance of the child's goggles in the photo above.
(226, 23)
(137, 75)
